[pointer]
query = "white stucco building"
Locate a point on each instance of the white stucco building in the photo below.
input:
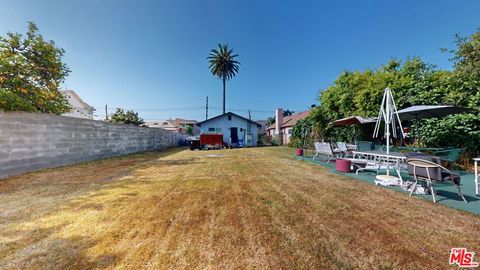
(175, 125)
(80, 109)
(165, 124)
(234, 128)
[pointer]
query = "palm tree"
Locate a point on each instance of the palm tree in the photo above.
(223, 65)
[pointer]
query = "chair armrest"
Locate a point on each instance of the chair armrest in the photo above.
(451, 150)
(442, 152)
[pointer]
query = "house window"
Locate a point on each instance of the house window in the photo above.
(289, 131)
(214, 130)
(229, 118)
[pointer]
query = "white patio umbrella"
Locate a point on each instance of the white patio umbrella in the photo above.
(388, 112)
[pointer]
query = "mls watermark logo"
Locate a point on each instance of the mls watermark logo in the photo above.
(462, 258)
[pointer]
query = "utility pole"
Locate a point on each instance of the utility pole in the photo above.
(106, 112)
(206, 110)
(249, 129)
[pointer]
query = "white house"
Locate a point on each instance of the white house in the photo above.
(80, 108)
(175, 125)
(235, 128)
(165, 124)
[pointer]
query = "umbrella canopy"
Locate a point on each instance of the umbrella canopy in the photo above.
(429, 111)
(353, 120)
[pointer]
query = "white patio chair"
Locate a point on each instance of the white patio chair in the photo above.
(342, 147)
(323, 148)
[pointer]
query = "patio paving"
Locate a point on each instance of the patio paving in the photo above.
(446, 192)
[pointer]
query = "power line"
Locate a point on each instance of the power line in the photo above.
(206, 110)
(187, 108)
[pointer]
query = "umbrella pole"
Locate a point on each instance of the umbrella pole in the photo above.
(416, 129)
(389, 114)
(387, 130)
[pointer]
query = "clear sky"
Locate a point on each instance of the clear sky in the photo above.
(151, 55)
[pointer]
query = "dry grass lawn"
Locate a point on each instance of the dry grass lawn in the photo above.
(251, 208)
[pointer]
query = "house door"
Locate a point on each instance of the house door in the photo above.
(234, 135)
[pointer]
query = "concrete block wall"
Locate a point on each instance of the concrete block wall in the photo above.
(31, 141)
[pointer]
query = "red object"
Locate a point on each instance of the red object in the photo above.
(343, 165)
(299, 152)
(211, 139)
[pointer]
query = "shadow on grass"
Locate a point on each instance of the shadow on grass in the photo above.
(179, 162)
(68, 190)
(40, 250)
(454, 196)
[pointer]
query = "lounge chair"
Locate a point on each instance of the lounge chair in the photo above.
(323, 148)
(418, 163)
(342, 148)
(364, 146)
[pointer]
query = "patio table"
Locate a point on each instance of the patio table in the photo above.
(477, 177)
(379, 157)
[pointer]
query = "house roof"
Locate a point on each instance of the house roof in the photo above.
(73, 93)
(261, 122)
(159, 123)
(291, 120)
(226, 114)
(185, 121)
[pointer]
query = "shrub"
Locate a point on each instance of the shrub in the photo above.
(128, 117)
(302, 133)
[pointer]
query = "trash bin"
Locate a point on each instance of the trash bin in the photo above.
(194, 144)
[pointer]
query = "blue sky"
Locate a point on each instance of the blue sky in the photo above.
(151, 55)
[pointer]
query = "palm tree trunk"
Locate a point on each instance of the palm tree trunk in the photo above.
(223, 95)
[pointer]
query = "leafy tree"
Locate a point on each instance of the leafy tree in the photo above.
(271, 119)
(301, 133)
(413, 82)
(287, 113)
(466, 76)
(128, 117)
(189, 130)
(223, 65)
(31, 71)
(459, 130)
(321, 125)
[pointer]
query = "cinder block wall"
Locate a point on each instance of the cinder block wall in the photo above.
(31, 141)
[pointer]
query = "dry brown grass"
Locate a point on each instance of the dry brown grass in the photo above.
(252, 208)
